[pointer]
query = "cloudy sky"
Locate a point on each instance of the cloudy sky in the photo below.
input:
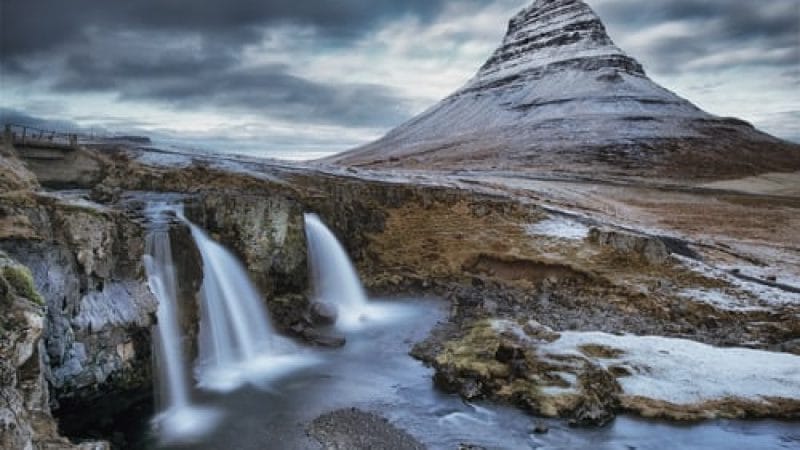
(326, 75)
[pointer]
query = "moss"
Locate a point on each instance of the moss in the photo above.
(475, 353)
(20, 278)
(600, 351)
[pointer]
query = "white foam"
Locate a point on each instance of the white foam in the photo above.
(185, 425)
(260, 372)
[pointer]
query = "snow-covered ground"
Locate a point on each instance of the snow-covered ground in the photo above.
(559, 227)
(684, 372)
(743, 295)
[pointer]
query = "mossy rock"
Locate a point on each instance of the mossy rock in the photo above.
(21, 280)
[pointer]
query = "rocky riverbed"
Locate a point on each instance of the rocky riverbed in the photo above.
(571, 298)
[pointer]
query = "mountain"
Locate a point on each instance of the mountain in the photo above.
(560, 96)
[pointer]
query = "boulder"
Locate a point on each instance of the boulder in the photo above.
(648, 249)
(323, 313)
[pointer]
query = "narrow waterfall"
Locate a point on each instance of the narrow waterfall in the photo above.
(237, 341)
(334, 278)
(177, 419)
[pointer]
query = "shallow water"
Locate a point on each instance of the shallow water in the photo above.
(374, 372)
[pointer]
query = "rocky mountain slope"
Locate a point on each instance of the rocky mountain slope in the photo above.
(558, 95)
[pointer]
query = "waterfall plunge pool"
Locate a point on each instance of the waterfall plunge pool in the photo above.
(267, 400)
(374, 372)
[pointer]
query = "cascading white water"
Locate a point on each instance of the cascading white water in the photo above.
(334, 278)
(237, 342)
(177, 420)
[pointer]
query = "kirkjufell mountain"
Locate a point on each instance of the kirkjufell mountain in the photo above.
(560, 96)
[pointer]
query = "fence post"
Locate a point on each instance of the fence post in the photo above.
(8, 137)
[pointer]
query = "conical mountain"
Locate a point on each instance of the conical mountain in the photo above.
(560, 96)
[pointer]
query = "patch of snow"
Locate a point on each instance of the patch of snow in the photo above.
(685, 372)
(559, 227)
(720, 299)
(164, 159)
(762, 294)
(75, 197)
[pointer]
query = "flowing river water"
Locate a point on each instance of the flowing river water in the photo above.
(375, 373)
(272, 409)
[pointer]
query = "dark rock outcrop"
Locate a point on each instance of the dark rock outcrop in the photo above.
(648, 249)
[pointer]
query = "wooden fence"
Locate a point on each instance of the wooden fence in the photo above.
(28, 136)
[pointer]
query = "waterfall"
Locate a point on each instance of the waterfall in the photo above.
(334, 278)
(237, 342)
(178, 419)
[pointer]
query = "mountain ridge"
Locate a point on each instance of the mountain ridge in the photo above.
(559, 95)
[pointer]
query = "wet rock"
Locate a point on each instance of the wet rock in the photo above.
(792, 346)
(323, 338)
(540, 332)
(323, 313)
(508, 353)
(497, 360)
(290, 311)
(540, 428)
(350, 429)
(599, 398)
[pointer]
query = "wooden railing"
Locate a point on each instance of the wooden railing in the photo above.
(28, 136)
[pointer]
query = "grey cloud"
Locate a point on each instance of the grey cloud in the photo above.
(13, 116)
(133, 49)
(215, 81)
(718, 25)
(37, 26)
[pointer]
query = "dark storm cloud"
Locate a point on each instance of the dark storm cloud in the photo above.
(35, 26)
(189, 81)
(770, 29)
(115, 46)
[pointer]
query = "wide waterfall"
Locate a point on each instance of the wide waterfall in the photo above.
(334, 277)
(177, 420)
(237, 342)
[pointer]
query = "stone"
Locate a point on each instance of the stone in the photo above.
(540, 428)
(649, 249)
(323, 338)
(599, 399)
(508, 353)
(351, 428)
(791, 346)
(539, 332)
(323, 313)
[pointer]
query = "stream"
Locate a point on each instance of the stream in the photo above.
(374, 372)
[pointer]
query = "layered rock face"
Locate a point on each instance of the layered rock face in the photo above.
(558, 95)
(83, 261)
(25, 420)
